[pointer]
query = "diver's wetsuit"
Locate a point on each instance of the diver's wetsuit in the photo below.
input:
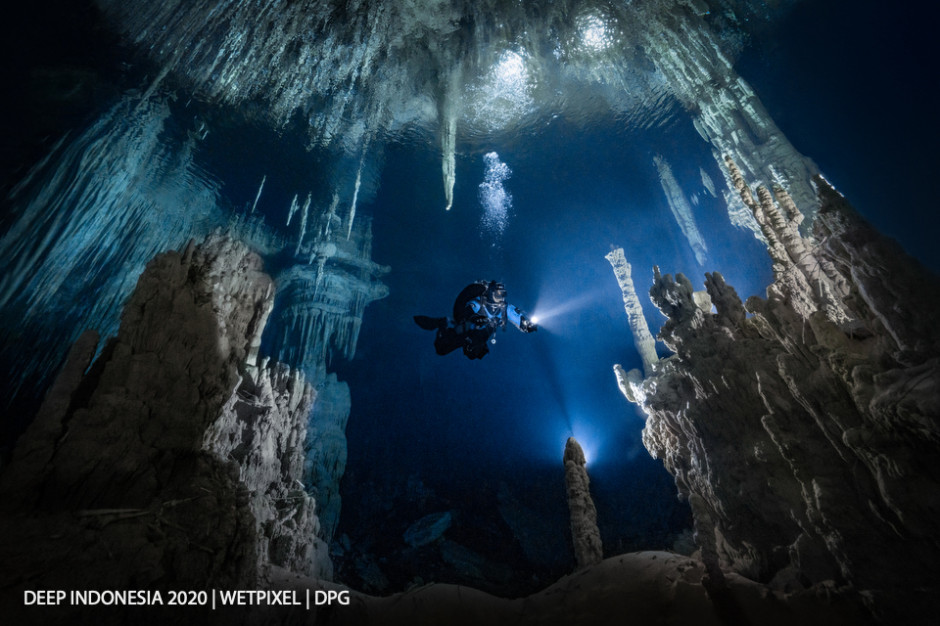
(479, 310)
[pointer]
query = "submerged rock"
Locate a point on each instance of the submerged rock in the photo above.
(427, 529)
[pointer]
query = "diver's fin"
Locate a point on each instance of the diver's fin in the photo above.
(430, 323)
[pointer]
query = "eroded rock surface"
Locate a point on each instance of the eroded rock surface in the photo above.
(804, 427)
(174, 461)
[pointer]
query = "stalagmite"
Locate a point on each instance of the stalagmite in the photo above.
(810, 283)
(585, 535)
(258, 195)
(180, 430)
(680, 209)
(628, 382)
(642, 339)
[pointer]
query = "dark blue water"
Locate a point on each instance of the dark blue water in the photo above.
(466, 426)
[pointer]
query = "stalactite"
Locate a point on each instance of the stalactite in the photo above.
(680, 209)
(355, 197)
(350, 66)
(87, 221)
(331, 215)
(303, 225)
(293, 209)
(728, 114)
(258, 195)
(448, 117)
(320, 314)
(449, 162)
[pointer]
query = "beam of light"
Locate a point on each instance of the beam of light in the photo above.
(588, 436)
(549, 313)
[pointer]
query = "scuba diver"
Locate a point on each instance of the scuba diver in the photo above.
(479, 311)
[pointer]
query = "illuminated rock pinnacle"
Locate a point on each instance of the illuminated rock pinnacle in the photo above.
(584, 532)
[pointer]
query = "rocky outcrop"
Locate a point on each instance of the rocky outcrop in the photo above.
(174, 460)
(803, 427)
(325, 448)
(262, 428)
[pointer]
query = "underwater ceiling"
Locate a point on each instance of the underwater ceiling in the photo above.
(360, 74)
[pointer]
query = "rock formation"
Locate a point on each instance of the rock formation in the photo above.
(726, 111)
(317, 316)
(427, 529)
(174, 460)
(584, 532)
(803, 427)
(263, 428)
(88, 219)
